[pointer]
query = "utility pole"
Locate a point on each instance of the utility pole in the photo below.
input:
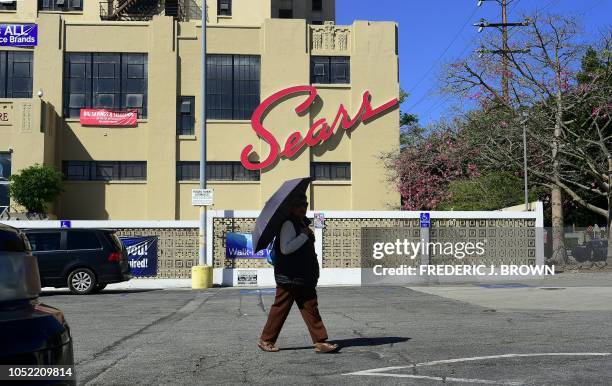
(201, 274)
(505, 82)
(202, 233)
(505, 51)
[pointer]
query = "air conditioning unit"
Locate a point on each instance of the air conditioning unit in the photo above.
(225, 6)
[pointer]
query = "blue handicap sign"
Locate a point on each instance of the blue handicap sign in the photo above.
(65, 224)
(425, 220)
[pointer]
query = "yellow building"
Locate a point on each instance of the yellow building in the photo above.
(140, 62)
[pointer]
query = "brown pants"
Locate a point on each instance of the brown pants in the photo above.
(306, 299)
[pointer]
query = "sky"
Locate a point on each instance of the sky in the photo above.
(433, 33)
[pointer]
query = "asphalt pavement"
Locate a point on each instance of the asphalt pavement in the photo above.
(515, 334)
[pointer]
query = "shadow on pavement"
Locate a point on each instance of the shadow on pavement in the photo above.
(105, 292)
(357, 342)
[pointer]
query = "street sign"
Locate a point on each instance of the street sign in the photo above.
(425, 220)
(202, 197)
(65, 224)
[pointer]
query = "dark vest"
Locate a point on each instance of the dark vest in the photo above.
(300, 267)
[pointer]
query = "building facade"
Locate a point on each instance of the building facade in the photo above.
(140, 61)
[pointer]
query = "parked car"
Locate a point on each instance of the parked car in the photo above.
(84, 260)
(593, 250)
(31, 333)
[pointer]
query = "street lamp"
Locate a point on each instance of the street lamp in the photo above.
(525, 118)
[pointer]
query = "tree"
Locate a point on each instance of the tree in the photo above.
(409, 124)
(426, 166)
(36, 186)
(491, 191)
(544, 95)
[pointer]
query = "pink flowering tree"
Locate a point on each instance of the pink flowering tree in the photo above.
(427, 165)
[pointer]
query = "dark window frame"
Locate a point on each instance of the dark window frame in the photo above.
(8, 6)
(233, 86)
(229, 170)
(117, 81)
(53, 6)
(12, 82)
(105, 170)
(224, 12)
(5, 164)
(336, 69)
(330, 171)
(317, 5)
(185, 121)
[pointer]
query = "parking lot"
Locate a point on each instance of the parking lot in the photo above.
(516, 334)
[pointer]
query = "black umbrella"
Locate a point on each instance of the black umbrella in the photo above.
(273, 214)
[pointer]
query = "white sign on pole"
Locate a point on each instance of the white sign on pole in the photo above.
(202, 197)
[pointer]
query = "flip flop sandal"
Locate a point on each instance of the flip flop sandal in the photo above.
(267, 346)
(326, 348)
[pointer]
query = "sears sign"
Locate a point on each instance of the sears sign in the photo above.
(18, 35)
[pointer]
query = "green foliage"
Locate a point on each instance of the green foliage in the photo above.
(35, 186)
(492, 191)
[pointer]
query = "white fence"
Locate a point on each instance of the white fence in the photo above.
(338, 245)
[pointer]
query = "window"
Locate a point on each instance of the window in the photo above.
(330, 171)
(11, 241)
(224, 7)
(60, 5)
(285, 9)
(215, 171)
(45, 241)
(82, 240)
(5, 173)
(8, 6)
(330, 69)
(16, 74)
(285, 13)
(317, 5)
(185, 116)
(232, 86)
(105, 80)
(105, 170)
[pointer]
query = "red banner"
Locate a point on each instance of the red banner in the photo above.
(104, 117)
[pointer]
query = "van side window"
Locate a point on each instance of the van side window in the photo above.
(45, 241)
(82, 240)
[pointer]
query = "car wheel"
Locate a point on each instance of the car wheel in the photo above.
(81, 281)
(98, 288)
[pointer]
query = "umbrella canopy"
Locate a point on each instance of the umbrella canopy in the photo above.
(272, 215)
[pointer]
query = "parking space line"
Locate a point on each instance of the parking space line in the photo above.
(384, 371)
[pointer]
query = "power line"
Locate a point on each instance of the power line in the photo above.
(444, 52)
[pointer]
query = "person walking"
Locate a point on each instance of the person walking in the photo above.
(296, 272)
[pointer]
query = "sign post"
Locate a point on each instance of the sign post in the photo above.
(201, 275)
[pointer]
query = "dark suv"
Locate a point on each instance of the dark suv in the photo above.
(84, 260)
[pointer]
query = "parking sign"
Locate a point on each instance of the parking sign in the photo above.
(425, 220)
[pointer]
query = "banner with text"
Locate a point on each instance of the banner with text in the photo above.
(240, 246)
(104, 117)
(142, 255)
(18, 35)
